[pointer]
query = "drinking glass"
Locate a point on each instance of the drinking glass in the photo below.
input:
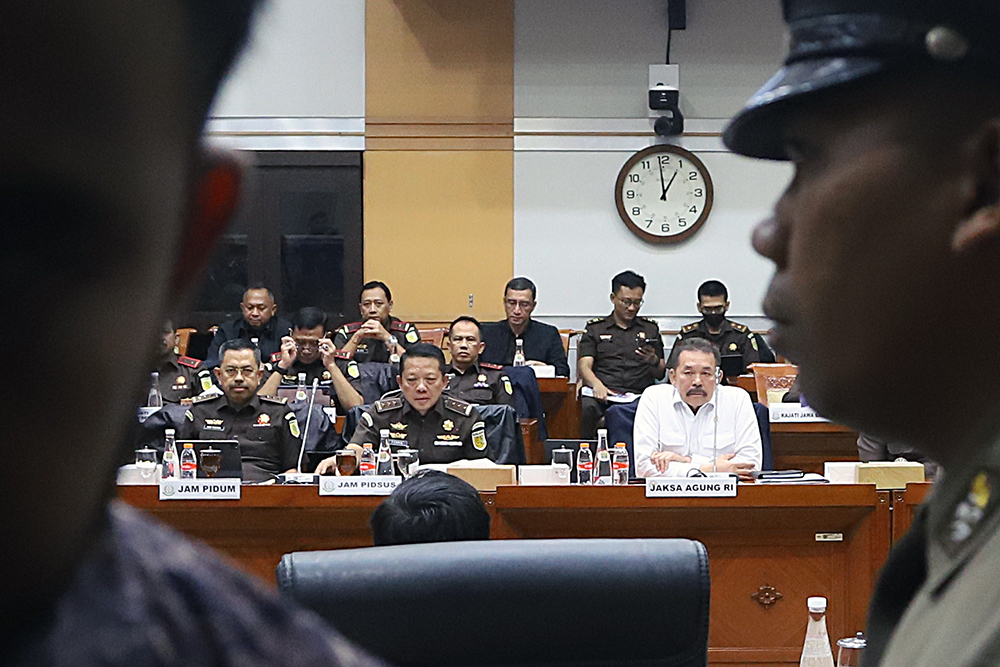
(850, 650)
(346, 461)
(562, 463)
(407, 461)
(145, 462)
(211, 461)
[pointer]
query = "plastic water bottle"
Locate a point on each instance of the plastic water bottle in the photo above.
(519, 352)
(155, 398)
(384, 464)
(189, 462)
(816, 651)
(170, 462)
(602, 464)
(367, 463)
(585, 464)
(619, 464)
(300, 391)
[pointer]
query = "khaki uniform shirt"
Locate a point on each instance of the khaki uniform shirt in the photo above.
(266, 428)
(373, 349)
(450, 431)
(480, 384)
(733, 338)
(182, 377)
(615, 362)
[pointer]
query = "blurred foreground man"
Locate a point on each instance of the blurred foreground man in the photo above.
(890, 228)
(101, 185)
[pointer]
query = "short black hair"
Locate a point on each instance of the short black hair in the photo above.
(258, 287)
(372, 284)
(696, 344)
(422, 351)
(629, 279)
(713, 288)
(466, 318)
(309, 317)
(431, 506)
(519, 284)
(237, 344)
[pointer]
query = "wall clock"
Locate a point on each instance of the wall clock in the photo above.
(664, 194)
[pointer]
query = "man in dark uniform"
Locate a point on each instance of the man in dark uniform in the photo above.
(888, 232)
(181, 378)
(468, 378)
(418, 416)
(732, 338)
(542, 342)
(372, 338)
(258, 325)
(618, 354)
(265, 427)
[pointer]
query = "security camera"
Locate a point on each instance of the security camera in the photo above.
(666, 99)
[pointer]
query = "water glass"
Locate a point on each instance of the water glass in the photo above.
(145, 462)
(407, 461)
(850, 650)
(346, 461)
(211, 461)
(562, 463)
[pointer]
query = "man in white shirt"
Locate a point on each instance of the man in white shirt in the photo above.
(694, 424)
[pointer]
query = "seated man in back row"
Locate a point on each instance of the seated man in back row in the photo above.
(443, 428)
(258, 324)
(694, 423)
(542, 343)
(468, 378)
(181, 378)
(378, 336)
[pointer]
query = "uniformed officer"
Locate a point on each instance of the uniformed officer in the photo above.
(618, 354)
(888, 233)
(370, 339)
(732, 338)
(468, 378)
(265, 427)
(418, 416)
(258, 324)
(181, 378)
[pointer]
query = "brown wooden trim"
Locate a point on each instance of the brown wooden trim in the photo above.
(439, 144)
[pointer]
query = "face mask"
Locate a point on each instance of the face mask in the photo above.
(714, 320)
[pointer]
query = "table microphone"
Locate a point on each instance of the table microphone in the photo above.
(309, 414)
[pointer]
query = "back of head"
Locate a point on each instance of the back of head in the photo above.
(629, 279)
(309, 317)
(431, 506)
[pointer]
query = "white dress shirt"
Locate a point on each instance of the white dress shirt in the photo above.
(665, 423)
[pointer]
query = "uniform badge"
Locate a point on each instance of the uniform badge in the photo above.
(293, 424)
(448, 425)
(507, 387)
(398, 426)
(206, 383)
(479, 436)
(214, 422)
(263, 419)
(352, 370)
(642, 335)
(732, 347)
(481, 378)
(180, 381)
(605, 336)
(367, 419)
(326, 375)
(971, 510)
(411, 336)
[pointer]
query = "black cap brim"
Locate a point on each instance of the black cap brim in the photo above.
(756, 131)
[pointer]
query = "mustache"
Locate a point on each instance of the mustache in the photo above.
(697, 391)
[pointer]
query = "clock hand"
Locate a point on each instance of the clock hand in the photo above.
(663, 195)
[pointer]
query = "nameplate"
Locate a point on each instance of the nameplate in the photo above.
(690, 487)
(364, 485)
(793, 412)
(145, 413)
(221, 488)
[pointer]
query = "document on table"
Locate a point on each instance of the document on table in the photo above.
(613, 396)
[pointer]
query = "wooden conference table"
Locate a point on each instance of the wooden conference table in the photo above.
(769, 548)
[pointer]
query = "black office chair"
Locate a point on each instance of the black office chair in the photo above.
(568, 603)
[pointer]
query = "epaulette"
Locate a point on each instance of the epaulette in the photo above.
(688, 328)
(386, 404)
(276, 357)
(456, 405)
(342, 354)
(399, 325)
(190, 362)
(272, 399)
(350, 328)
(496, 367)
(742, 328)
(647, 320)
(205, 398)
(595, 320)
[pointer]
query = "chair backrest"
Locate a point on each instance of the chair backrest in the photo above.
(565, 335)
(504, 441)
(773, 380)
(183, 337)
(514, 602)
(619, 419)
(434, 336)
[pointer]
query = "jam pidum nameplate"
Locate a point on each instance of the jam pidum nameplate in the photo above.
(690, 487)
(363, 485)
(220, 488)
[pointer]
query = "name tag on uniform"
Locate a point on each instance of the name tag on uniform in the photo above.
(691, 487)
(447, 443)
(222, 488)
(365, 485)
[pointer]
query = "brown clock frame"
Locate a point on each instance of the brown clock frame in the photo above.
(702, 217)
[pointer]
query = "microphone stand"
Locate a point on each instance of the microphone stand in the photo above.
(309, 414)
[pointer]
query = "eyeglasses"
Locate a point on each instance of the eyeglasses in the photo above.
(513, 303)
(628, 303)
(232, 371)
(713, 310)
(306, 344)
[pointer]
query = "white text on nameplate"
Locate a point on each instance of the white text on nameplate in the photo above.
(367, 485)
(223, 488)
(690, 487)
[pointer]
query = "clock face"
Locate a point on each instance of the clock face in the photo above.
(664, 194)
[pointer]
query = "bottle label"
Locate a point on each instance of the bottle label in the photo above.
(383, 457)
(586, 465)
(367, 466)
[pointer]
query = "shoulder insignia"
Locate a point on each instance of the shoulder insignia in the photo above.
(646, 320)
(293, 424)
(386, 404)
(353, 371)
(341, 354)
(190, 362)
(742, 328)
(479, 436)
(204, 398)
(276, 357)
(506, 385)
(349, 328)
(688, 328)
(398, 325)
(595, 320)
(188, 415)
(459, 406)
(412, 336)
(272, 399)
(495, 367)
(366, 417)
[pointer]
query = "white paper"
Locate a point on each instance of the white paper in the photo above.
(613, 396)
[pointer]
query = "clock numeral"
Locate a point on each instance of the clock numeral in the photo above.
(630, 194)
(698, 192)
(682, 222)
(692, 175)
(680, 164)
(636, 210)
(664, 159)
(664, 227)
(633, 178)
(648, 223)
(693, 209)
(645, 164)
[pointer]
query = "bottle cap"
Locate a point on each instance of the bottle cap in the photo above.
(188, 445)
(620, 444)
(858, 641)
(168, 431)
(384, 432)
(585, 444)
(817, 605)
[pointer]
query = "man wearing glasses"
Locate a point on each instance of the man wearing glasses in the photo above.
(620, 355)
(542, 344)
(732, 338)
